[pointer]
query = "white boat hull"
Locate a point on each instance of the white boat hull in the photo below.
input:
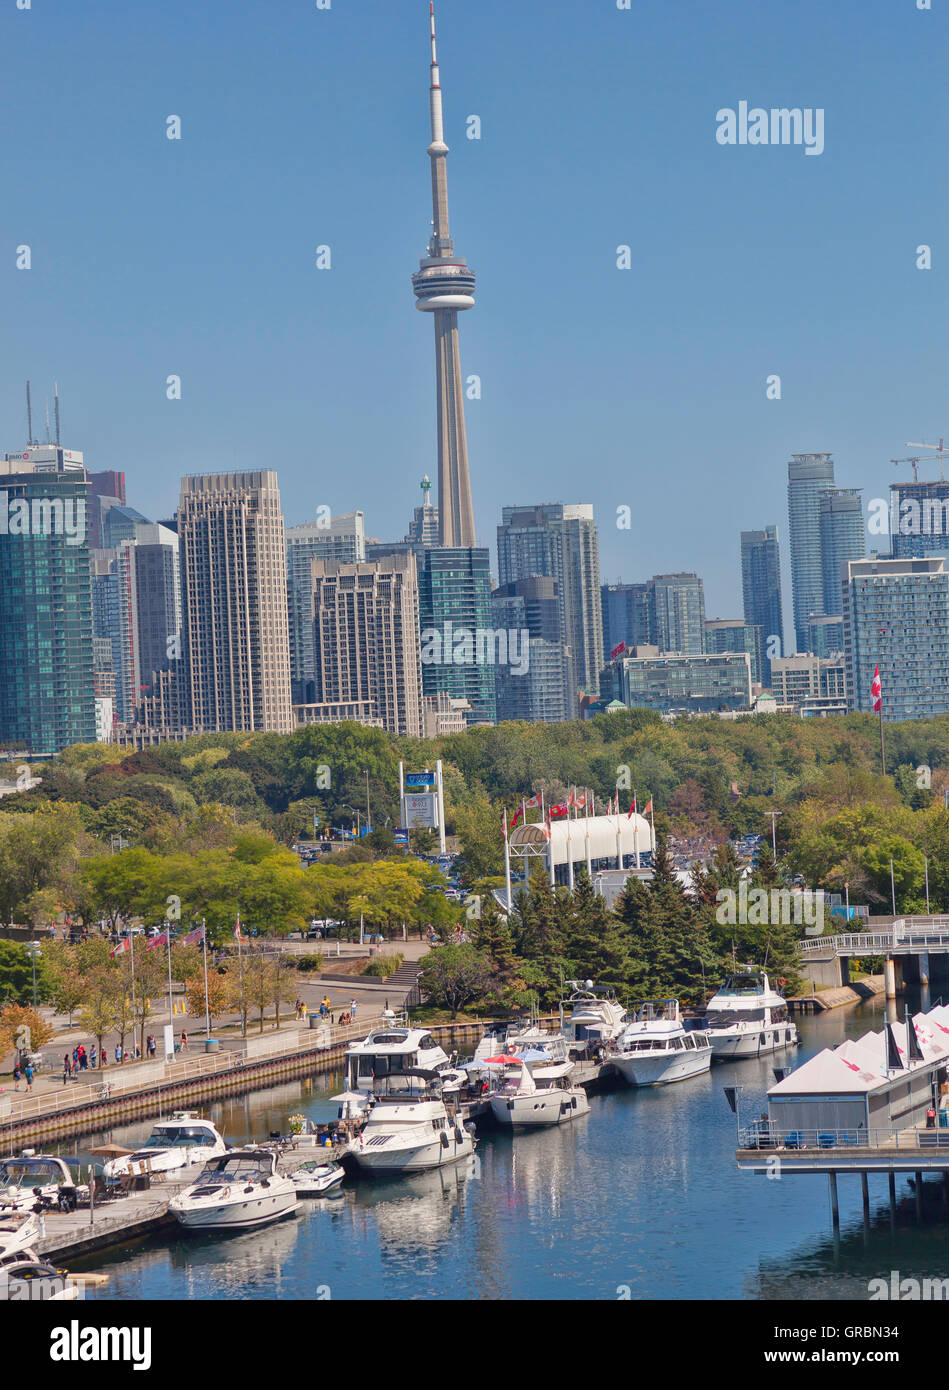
(730, 1045)
(541, 1108)
(389, 1158)
(660, 1068)
(233, 1216)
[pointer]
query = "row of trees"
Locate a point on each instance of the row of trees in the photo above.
(660, 941)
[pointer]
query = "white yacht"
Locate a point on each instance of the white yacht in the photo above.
(34, 1178)
(531, 1092)
(18, 1231)
(655, 1048)
(392, 1049)
(748, 1017)
(596, 1018)
(236, 1190)
(409, 1127)
(539, 1048)
(176, 1143)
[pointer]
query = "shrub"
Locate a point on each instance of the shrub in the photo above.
(384, 966)
(308, 963)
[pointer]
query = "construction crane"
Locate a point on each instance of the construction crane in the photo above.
(917, 459)
(914, 461)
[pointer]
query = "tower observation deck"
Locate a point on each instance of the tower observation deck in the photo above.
(443, 285)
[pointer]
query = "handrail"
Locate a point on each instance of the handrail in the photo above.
(765, 1136)
(106, 1086)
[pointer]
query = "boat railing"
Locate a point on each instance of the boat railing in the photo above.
(764, 1135)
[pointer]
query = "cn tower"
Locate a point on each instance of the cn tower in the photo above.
(443, 284)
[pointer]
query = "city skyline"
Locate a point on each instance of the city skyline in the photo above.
(257, 365)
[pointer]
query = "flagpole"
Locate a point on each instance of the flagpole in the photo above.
(507, 863)
(636, 829)
(171, 1017)
(586, 837)
(207, 1004)
(652, 817)
(132, 949)
(569, 854)
(882, 743)
(240, 975)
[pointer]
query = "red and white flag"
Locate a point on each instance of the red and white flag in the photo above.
(621, 647)
(632, 808)
(238, 934)
(159, 940)
(124, 945)
(876, 691)
(194, 936)
(647, 809)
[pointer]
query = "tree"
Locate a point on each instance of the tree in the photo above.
(595, 942)
(63, 976)
(454, 976)
(422, 840)
(218, 995)
(100, 1009)
(23, 1029)
(16, 974)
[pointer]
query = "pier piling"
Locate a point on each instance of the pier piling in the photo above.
(834, 1208)
(865, 1189)
(919, 1196)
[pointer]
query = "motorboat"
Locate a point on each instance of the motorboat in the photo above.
(26, 1277)
(500, 1037)
(313, 1178)
(392, 1049)
(529, 1091)
(539, 1048)
(236, 1190)
(183, 1140)
(748, 1018)
(409, 1127)
(18, 1231)
(596, 1017)
(656, 1048)
(37, 1181)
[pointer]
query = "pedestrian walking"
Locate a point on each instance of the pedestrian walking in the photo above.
(92, 1057)
(352, 1010)
(17, 1076)
(83, 1059)
(28, 1075)
(184, 1041)
(118, 1053)
(150, 1045)
(65, 1070)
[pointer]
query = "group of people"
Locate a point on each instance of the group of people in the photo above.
(78, 1061)
(326, 1010)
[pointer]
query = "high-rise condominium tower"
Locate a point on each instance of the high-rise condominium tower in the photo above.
(443, 285)
(842, 538)
(234, 609)
(561, 541)
(761, 595)
(808, 476)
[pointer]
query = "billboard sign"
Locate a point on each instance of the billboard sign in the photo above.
(420, 809)
(419, 779)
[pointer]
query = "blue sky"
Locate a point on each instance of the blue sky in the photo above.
(645, 388)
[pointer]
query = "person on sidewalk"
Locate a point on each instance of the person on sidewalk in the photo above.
(184, 1041)
(17, 1076)
(28, 1075)
(92, 1057)
(66, 1071)
(352, 1010)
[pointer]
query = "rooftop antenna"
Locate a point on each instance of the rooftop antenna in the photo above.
(29, 417)
(48, 440)
(56, 401)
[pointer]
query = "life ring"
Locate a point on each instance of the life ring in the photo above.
(782, 982)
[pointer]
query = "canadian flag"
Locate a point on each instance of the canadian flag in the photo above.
(238, 934)
(647, 809)
(124, 945)
(578, 801)
(876, 691)
(629, 814)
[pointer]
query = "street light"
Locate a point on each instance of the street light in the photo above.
(34, 952)
(368, 813)
(774, 821)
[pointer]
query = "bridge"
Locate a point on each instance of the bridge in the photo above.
(907, 946)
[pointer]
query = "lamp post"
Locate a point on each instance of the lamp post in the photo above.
(774, 840)
(34, 952)
(368, 813)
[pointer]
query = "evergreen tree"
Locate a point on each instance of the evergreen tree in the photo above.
(595, 941)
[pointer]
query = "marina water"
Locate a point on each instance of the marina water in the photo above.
(640, 1199)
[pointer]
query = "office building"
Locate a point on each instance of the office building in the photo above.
(458, 657)
(235, 628)
(842, 538)
(535, 684)
(896, 616)
(761, 595)
(561, 542)
(678, 601)
(106, 489)
(734, 635)
(341, 537)
(825, 635)
(626, 616)
(919, 519)
(366, 647)
(808, 476)
(47, 696)
(157, 596)
(674, 683)
(810, 685)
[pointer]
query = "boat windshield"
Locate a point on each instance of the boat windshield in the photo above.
(726, 1018)
(29, 1173)
(178, 1137)
(243, 1169)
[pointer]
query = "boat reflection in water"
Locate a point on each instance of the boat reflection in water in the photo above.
(417, 1210)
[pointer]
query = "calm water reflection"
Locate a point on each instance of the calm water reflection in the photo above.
(642, 1194)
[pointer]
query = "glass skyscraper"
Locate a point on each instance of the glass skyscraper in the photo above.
(454, 607)
(761, 595)
(808, 476)
(47, 699)
(842, 538)
(626, 616)
(919, 519)
(678, 602)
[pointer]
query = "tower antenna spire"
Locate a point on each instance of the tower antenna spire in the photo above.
(29, 417)
(56, 407)
(48, 440)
